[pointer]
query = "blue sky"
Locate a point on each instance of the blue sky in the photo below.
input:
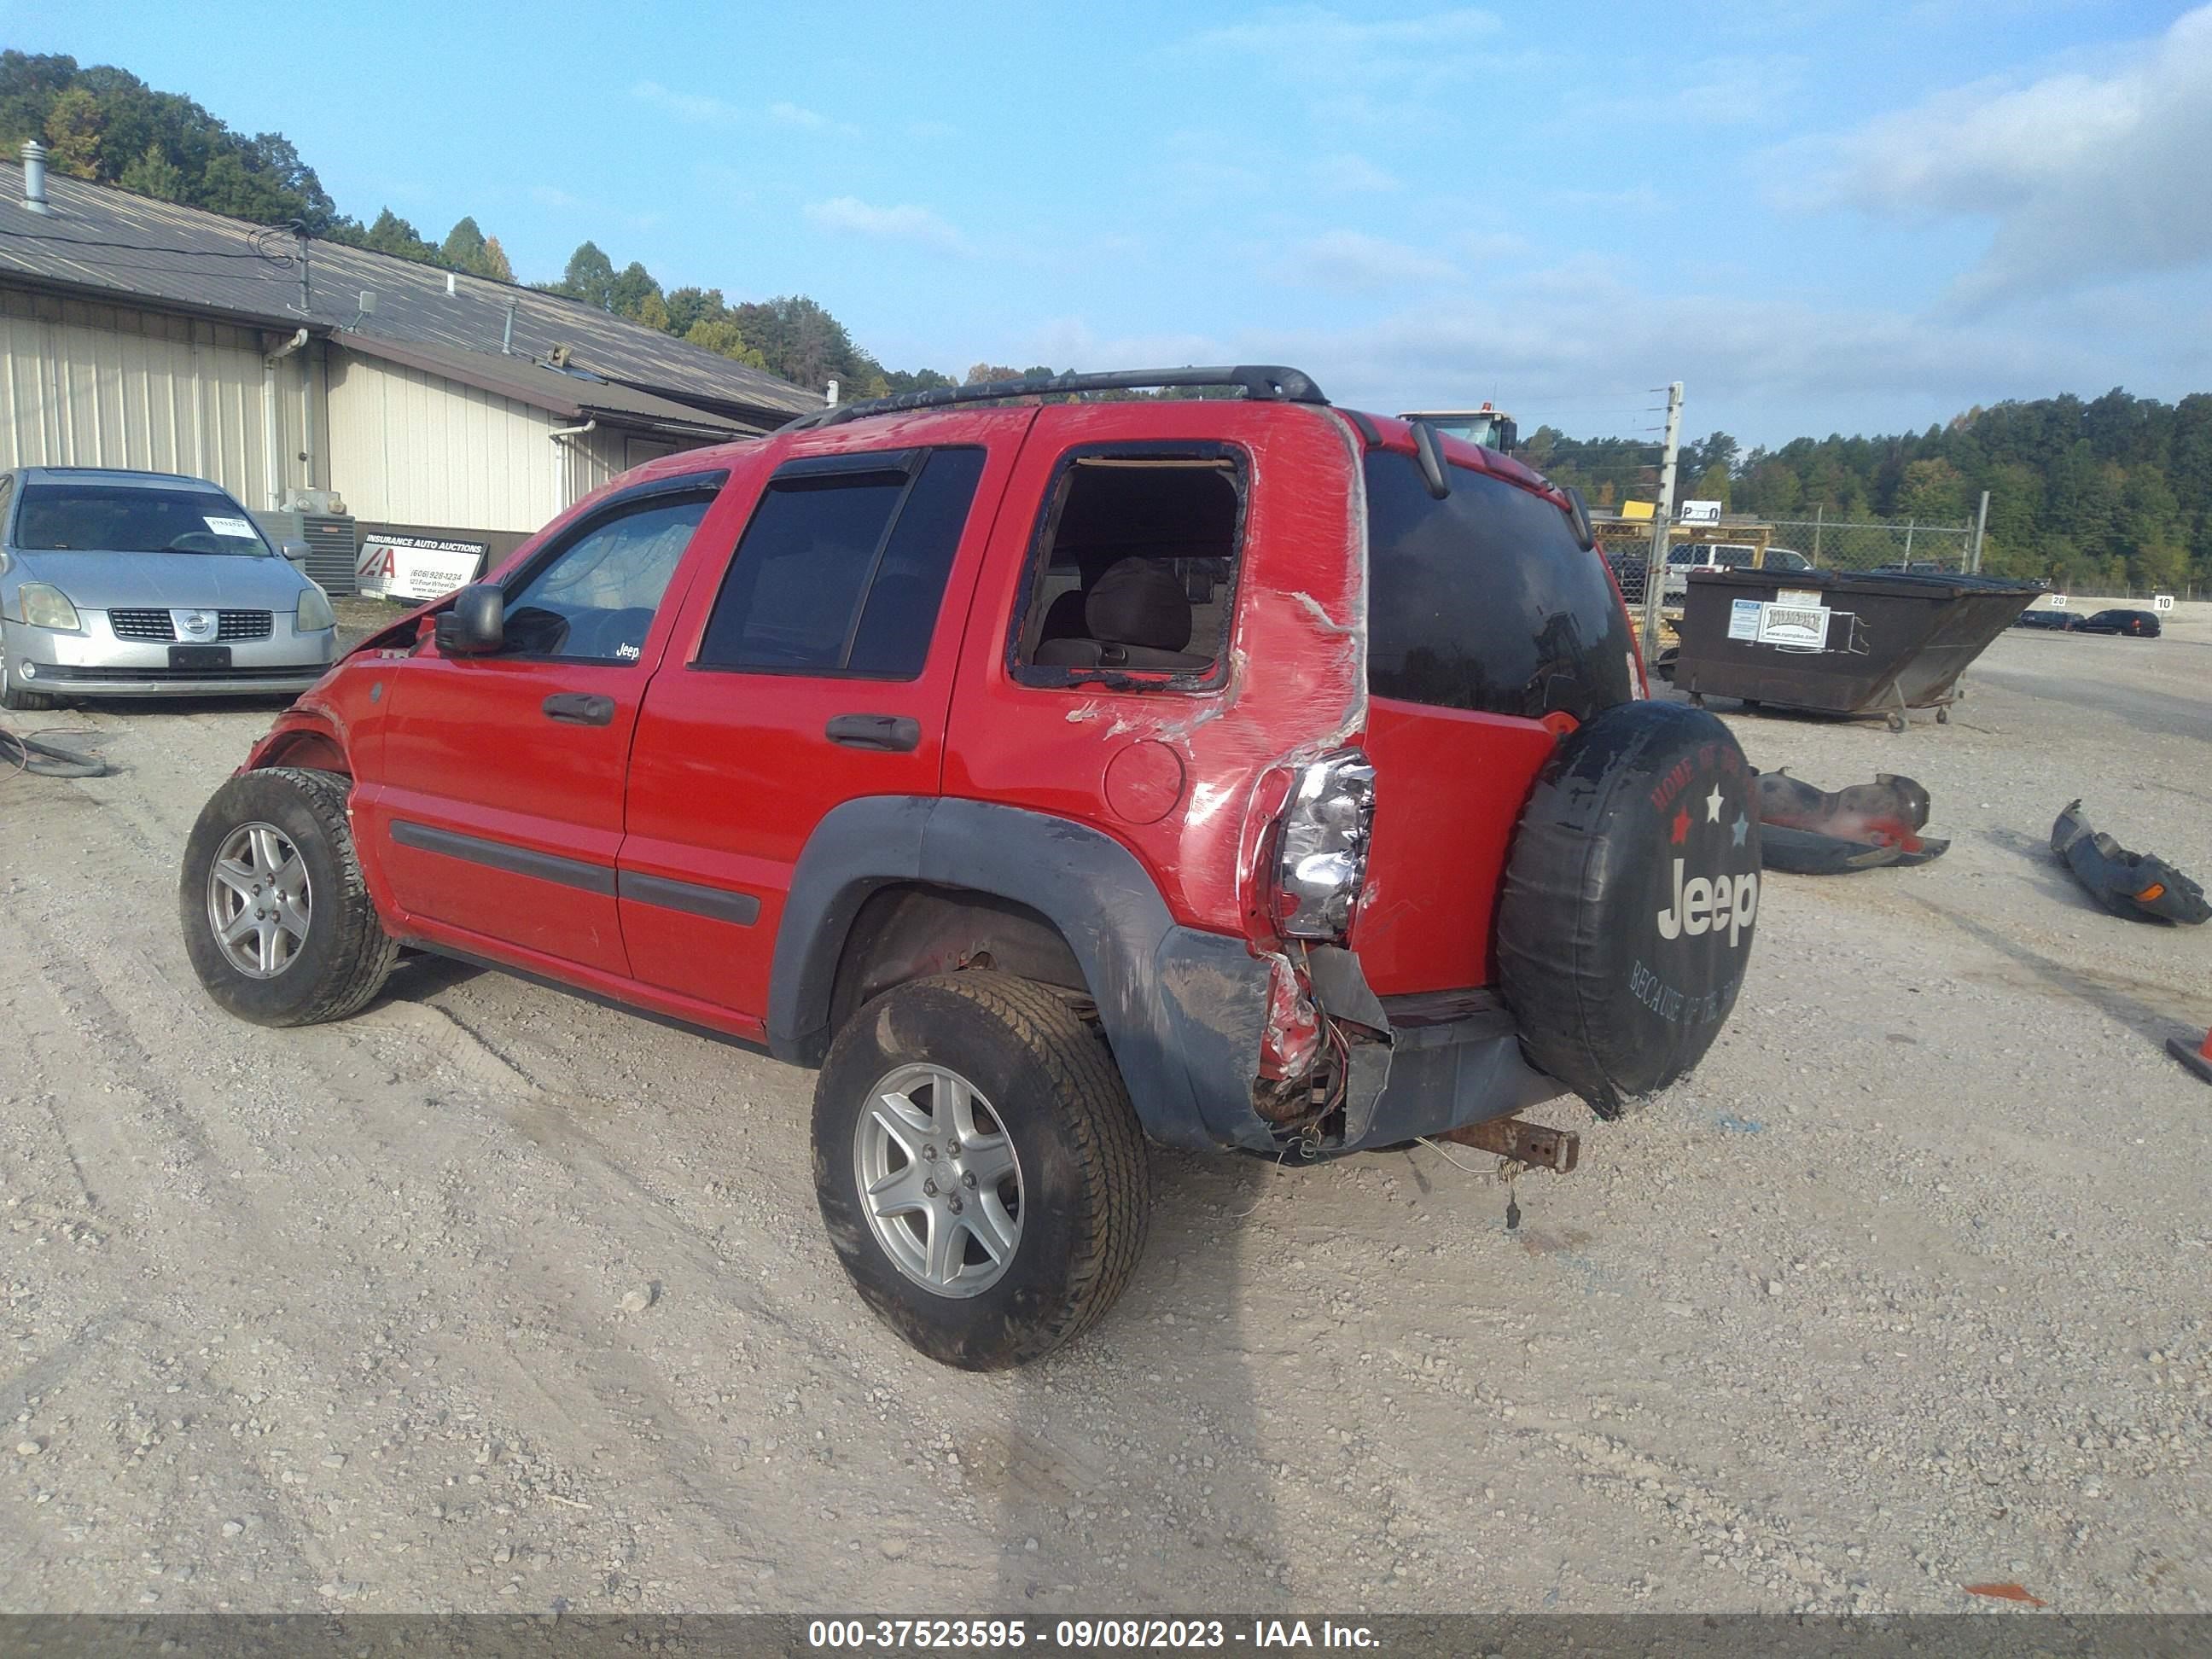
(1819, 216)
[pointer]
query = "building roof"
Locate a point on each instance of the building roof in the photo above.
(99, 240)
(570, 396)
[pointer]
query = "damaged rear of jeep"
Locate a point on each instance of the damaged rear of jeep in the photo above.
(1322, 741)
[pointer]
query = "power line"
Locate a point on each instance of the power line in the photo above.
(148, 247)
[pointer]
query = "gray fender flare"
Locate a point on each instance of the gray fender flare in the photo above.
(1182, 1010)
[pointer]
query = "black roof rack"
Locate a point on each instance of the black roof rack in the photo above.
(1260, 382)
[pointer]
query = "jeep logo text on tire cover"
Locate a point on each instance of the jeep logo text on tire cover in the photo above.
(1699, 904)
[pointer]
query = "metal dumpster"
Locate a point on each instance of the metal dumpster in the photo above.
(1840, 642)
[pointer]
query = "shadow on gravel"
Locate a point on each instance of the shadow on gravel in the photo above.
(2053, 878)
(2111, 996)
(1135, 1469)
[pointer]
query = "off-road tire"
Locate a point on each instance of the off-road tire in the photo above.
(1086, 1190)
(346, 955)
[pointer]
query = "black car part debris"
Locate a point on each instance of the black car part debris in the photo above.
(1869, 826)
(1631, 894)
(2133, 884)
(49, 760)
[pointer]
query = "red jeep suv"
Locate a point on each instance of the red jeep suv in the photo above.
(1056, 774)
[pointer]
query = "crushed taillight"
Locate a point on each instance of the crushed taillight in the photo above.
(1320, 858)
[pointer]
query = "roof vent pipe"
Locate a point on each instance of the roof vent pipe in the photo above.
(507, 335)
(34, 176)
(830, 396)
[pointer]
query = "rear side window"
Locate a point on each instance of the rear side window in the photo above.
(843, 569)
(1133, 567)
(1483, 600)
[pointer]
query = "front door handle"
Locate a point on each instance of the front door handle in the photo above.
(895, 733)
(580, 708)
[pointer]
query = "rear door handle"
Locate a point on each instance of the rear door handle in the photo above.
(893, 733)
(580, 708)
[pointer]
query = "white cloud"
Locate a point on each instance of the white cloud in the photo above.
(549, 196)
(807, 120)
(902, 223)
(1488, 246)
(1354, 175)
(703, 111)
(1351, 261)
(1357, 68)
(1301, 39)
(686, 105)
(2088, 177)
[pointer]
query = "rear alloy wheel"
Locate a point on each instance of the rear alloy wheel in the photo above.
(979, 1167)
(277, 921)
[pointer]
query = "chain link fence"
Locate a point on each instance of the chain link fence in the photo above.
(1782, 545)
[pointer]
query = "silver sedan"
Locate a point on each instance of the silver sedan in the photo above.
(120, 584)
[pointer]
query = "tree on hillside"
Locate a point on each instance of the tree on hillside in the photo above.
(392, 234)
(154, 174)
(632, 292)
(73, 130)
(589, 276)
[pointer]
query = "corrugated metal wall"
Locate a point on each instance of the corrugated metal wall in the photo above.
(411, 448)
(85, 385)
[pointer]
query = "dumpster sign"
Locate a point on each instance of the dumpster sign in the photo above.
(1795, 622)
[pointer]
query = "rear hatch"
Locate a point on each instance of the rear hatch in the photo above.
(1491, 633)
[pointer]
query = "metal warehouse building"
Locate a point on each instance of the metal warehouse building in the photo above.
(363, 394)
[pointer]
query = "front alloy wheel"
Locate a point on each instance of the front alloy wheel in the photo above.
(259, 900)
(278, 920)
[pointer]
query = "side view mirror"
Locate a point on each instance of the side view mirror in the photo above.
(476, 624)
(1509, 437)
(1578, 517)
(4, 562)
(295, 553)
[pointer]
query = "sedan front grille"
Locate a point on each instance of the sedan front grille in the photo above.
(242, 624)
(142, 624)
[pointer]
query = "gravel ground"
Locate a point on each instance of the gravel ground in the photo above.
(492, 1298)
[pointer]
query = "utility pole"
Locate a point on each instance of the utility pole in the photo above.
(1981, 529)
(1662, 524)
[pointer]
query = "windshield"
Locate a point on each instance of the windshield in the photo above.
(128, 519)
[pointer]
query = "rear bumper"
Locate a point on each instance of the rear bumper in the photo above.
(1427, 1064)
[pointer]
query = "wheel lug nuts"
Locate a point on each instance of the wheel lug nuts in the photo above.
(953, 1149)
(953, 1204)
(969, 1182)
(929, 1152)
(930, 1188)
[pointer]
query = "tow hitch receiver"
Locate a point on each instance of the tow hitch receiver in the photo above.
(1524, 1143)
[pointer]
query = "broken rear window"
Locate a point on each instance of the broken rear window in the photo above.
(1484, 601)
(1134, 569)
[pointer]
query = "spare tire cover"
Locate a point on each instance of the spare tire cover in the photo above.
(1630, 898)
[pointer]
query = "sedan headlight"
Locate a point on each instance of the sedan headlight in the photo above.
(43, 606)
(315, 613)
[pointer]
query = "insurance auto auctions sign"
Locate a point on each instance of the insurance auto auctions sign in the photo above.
(417, 566)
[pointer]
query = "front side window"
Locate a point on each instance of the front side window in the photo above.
(1484, 601)
(126, 518)
(594, 600)
(1134, 565)
(843, 569)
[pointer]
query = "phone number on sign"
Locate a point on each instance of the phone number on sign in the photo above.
(869, 1634)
